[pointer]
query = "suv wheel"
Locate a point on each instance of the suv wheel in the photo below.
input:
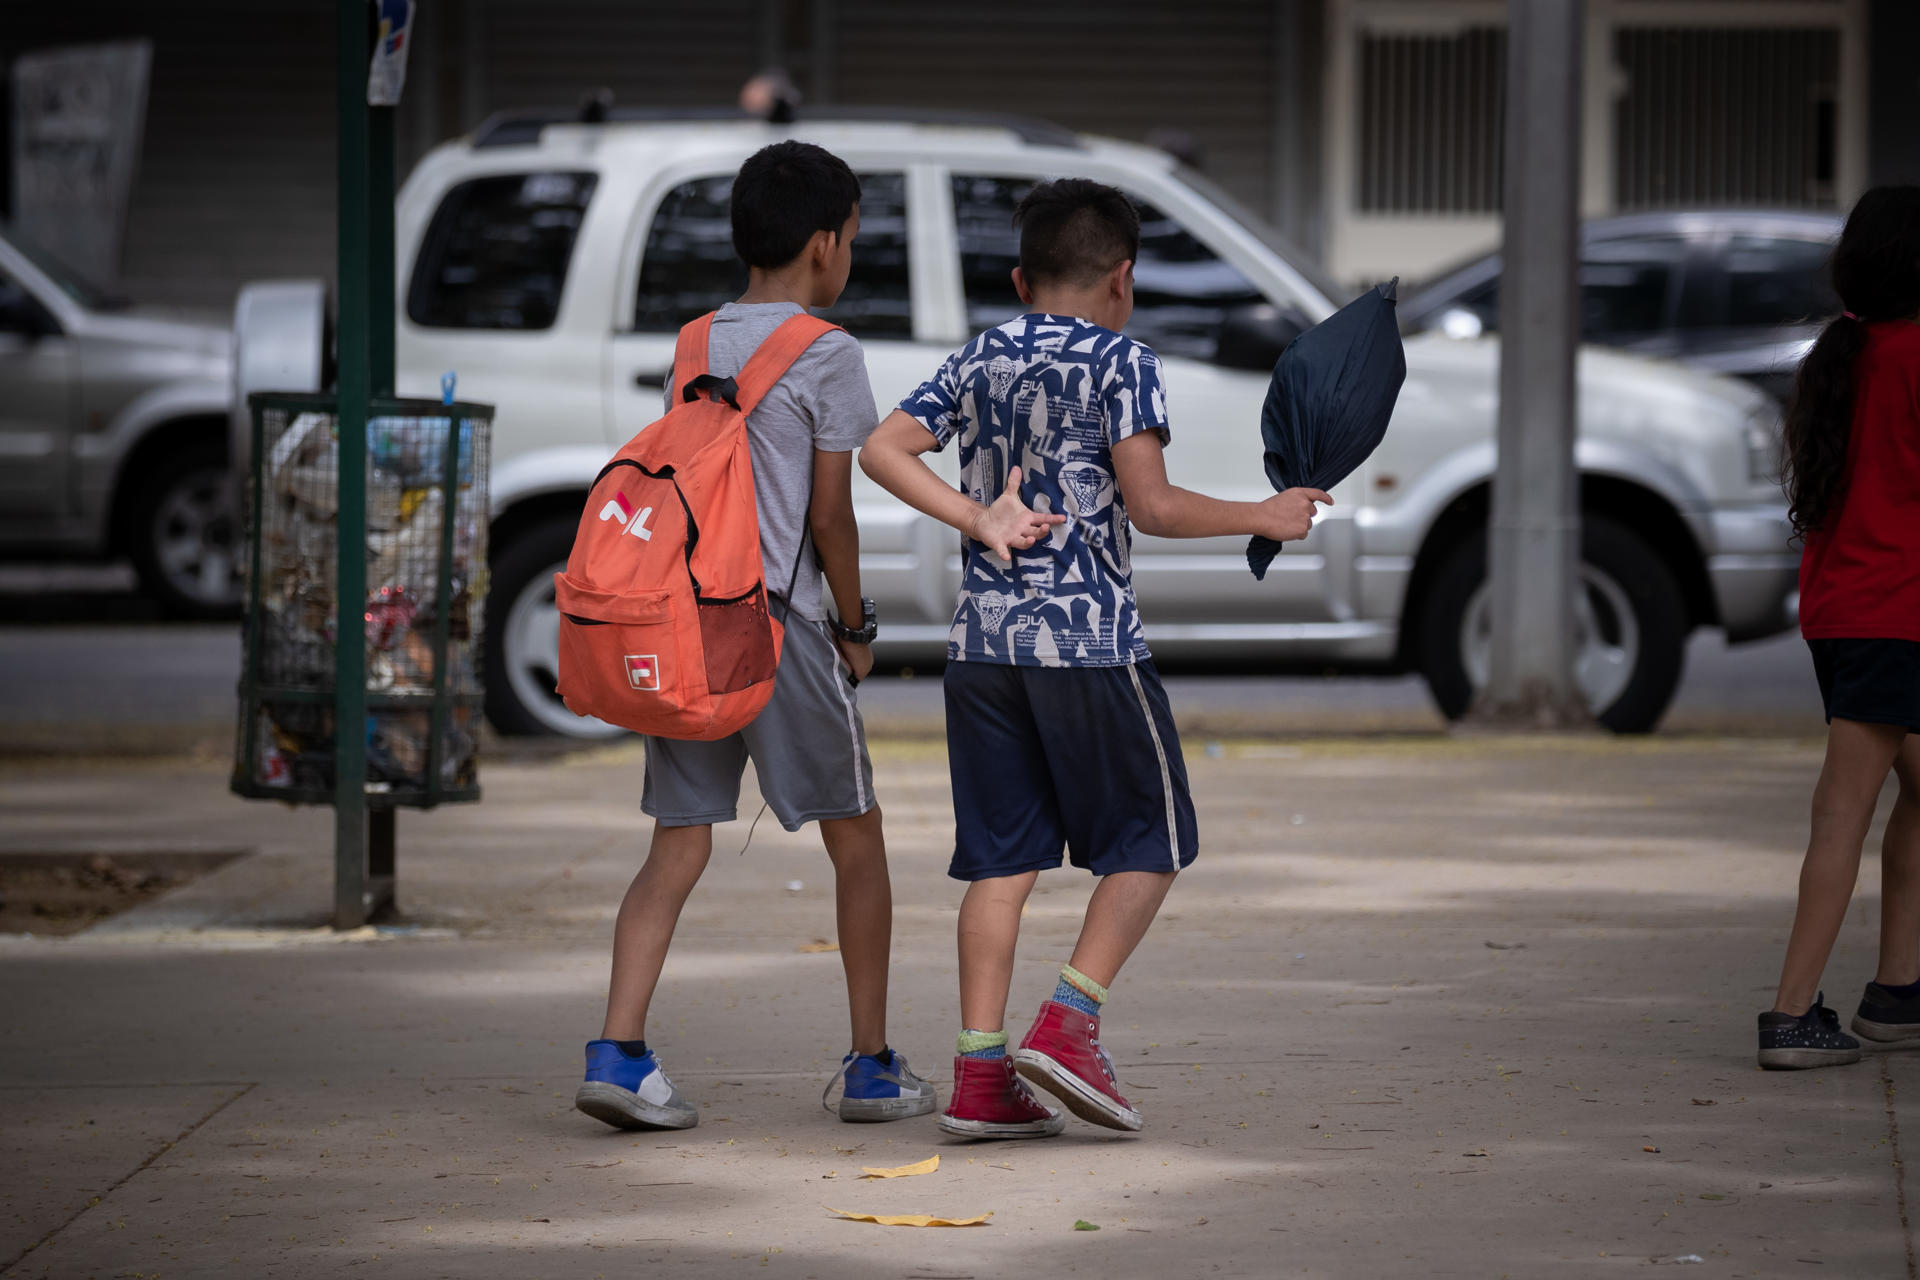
(523, 638)
(1629, 617)
(183, 537)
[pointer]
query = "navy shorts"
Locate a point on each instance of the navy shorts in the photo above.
(1080, 757)
(1872, 681)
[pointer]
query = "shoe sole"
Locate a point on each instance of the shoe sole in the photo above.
(1080, 1098)
(1803, 1059)
(1885, 1032)
(881, 1110)
(625, 1109)
(987, 1129)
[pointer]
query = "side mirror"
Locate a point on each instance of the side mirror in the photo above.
(1461, 323)
(1253, 337)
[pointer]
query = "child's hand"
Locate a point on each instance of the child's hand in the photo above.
(1008, 525)
(1287, 517)
(858, 657)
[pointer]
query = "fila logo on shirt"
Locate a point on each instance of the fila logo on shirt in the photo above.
(643, 672)
(618, 508)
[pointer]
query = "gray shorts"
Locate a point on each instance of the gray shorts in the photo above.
(808, 747)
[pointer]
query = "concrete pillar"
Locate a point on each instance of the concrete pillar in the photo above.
(1534, 539)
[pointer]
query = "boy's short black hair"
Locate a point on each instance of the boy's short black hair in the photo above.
(1073, 231)
(782, 195)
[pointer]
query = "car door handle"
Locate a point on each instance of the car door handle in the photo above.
(656, 381)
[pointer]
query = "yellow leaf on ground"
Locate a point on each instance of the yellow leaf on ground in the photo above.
(817, 945)
(903, 1171)
(910, 1219)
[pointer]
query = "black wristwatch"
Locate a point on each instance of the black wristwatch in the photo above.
(868, 629)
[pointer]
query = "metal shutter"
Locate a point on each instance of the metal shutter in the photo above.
(1115, 67)
(665, 55)
(236, 175)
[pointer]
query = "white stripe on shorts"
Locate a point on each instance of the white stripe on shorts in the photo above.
(853, 731)
(1166, 777)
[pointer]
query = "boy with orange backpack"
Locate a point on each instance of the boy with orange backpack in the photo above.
(686, 617)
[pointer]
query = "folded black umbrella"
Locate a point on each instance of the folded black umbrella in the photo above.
(1327, 407)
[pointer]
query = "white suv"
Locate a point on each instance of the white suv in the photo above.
(550, 263)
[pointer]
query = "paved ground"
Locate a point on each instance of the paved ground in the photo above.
(1421, 1010)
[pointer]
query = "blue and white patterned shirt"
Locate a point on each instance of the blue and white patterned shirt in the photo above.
(1052, 395)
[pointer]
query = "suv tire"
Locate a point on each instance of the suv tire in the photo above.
(520, 616)
(1633, 617)
(182, 535)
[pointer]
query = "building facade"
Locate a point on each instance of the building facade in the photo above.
(1367, 130)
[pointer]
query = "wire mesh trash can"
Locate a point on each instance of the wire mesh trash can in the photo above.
(426, 549)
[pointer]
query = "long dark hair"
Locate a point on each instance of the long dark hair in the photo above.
(1876, 272)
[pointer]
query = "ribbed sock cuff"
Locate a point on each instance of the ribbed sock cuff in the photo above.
(982, 1044)
(1079, 991)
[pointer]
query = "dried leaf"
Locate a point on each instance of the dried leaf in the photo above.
(903, 1171)
(910, 1219)
(817, 945)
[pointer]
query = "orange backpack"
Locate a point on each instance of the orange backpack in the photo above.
(664, 624)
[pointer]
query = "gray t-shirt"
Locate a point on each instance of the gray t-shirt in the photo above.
(824, 402)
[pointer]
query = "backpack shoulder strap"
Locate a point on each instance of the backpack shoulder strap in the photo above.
(775, 356)
(690, 354)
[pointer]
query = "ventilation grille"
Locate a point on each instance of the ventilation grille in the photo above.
(1724, 116)
(1430, 121)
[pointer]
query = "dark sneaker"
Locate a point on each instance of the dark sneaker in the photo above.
(631, 1093)
(1886, 1017)
(1814, 1039)
(875, 1090)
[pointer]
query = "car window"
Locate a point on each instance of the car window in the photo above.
(1776, 280)
(1182, 290)
(688, 267)
(70, 282)
(1626, 288)
(496, 254)
(18, 309)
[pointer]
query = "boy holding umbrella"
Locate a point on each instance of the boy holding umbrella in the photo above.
(1058, 730)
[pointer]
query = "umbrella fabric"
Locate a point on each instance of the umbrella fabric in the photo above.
(1327, 407)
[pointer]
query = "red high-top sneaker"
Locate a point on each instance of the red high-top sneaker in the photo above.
(990, 1101)
(1062, 1055)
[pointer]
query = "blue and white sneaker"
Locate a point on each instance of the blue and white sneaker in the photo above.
(631, 1093)
(877, 1090)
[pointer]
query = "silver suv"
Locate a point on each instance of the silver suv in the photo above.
(113, 433)
(550, 262)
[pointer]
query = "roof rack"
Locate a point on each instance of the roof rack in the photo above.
(523, 128)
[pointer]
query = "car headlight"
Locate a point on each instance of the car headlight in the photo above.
(1764, 456)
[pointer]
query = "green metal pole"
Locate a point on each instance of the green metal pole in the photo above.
(356, 322)
(380, 248)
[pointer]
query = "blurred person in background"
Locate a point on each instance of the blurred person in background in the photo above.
(1853, 484)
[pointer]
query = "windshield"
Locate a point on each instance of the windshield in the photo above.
(1272, 236)
(71, 282)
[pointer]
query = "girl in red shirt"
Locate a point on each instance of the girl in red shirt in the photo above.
(1853, 488)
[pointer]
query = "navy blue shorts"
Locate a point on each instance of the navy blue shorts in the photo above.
(1084, 757)
(1872, 681)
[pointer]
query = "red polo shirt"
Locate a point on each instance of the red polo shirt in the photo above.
(1860, 575)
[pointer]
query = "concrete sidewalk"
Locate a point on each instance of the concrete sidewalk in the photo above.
(1424, 1008)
